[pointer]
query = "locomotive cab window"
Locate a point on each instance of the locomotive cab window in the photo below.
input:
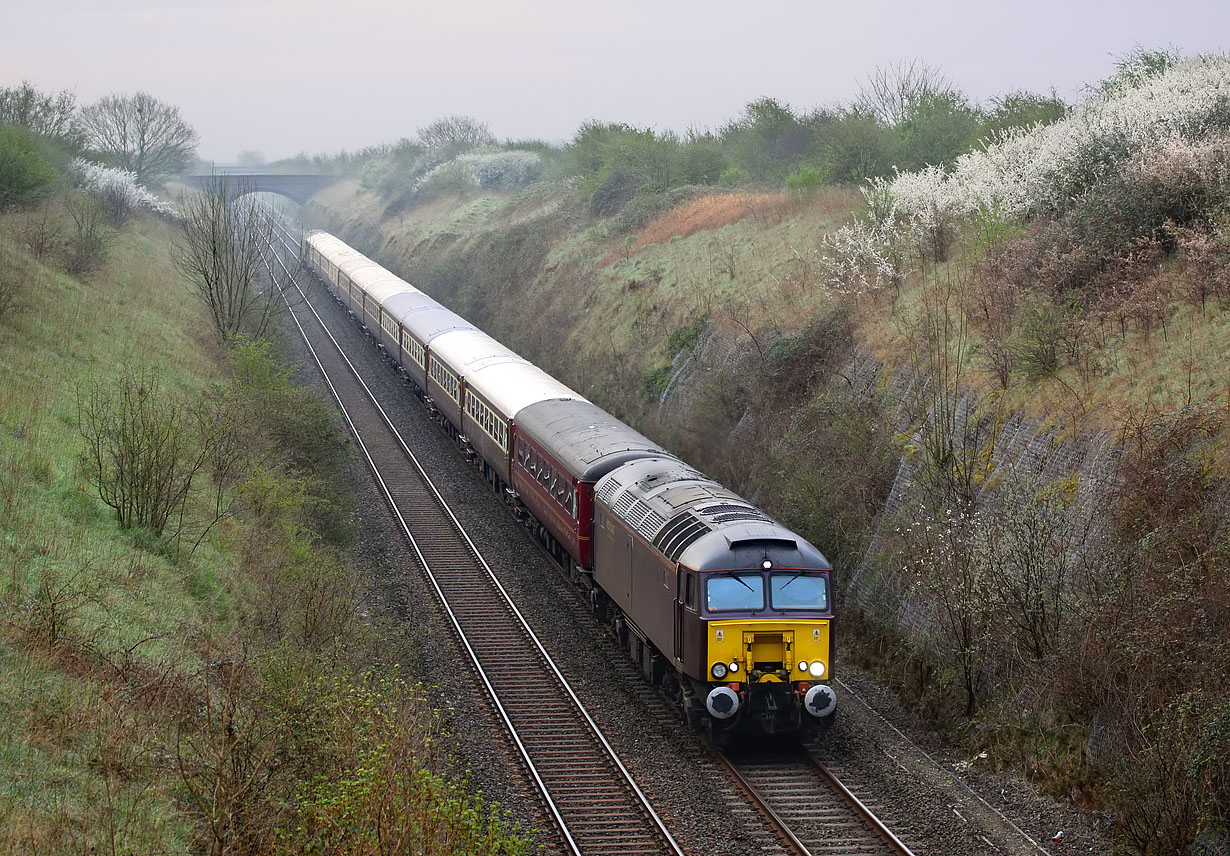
(689, 590)
(798, 591)
(731, 592)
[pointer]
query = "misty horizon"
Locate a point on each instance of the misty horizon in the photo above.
(540, 71)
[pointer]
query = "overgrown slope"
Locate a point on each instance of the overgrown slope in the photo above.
(198, 681)
(996, 395)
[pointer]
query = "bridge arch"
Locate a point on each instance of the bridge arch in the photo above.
(296, 188)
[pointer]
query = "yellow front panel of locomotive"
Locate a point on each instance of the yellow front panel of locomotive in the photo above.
(750, 641)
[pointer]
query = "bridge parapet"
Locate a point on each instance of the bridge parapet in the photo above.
(297, 188)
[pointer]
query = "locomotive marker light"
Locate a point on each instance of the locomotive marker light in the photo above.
(719, 671)
(767, 565)
(817, 669)
(734, 666)
(803, 664)
(722, 702)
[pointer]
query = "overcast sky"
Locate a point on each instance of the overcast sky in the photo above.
(283, 76)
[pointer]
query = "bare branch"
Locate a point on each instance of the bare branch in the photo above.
(141, 134)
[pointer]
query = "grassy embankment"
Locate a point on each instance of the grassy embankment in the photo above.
(163, 695)
(1079, 332)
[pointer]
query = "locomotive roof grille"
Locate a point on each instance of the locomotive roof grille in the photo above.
(608, 491)
(680, 534)
(721, 507)
(623, 505)
(642, 518)
(650, 522)
(740, 515)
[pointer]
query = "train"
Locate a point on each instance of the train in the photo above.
(727, 612)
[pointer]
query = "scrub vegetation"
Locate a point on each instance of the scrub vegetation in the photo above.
(977, 353)
(185, 661)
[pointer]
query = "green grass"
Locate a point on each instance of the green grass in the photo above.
(110, 640)
(69, 746)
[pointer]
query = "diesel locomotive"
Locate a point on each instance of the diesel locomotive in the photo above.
(726, 611)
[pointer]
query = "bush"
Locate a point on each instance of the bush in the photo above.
(855, 148)
(733, 176)
(118, 192)
(86, 249)
(614, 193)
(26, 176)
(767, 140)
(804, 179)
(143, 448)
(16, 278)
(504, 171)
(1047, 169)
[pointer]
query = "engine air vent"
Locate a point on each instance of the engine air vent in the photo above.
(646, 521)
(680, 534)
(731, 516)
(607, 492)
(624, 504)
(720, 507)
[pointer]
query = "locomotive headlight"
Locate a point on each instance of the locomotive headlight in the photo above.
(817, 669)
(734, 666)
(803, 664)
(719, 670)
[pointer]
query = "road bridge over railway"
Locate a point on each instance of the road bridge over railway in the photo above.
(295, 187)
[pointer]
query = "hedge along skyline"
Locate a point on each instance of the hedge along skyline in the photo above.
(541, 69)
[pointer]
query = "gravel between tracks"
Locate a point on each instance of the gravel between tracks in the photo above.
(670, 763)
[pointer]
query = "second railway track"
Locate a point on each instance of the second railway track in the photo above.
(588, 792)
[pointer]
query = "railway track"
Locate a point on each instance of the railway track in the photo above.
(813, 812)
(810, 811)
(586, 789)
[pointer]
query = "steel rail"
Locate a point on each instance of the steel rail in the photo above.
(777, 811)
(611, 756)
(762, 806)
(896, 844)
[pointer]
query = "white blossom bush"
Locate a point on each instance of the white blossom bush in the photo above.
(505, 171)
(118, 191)
(862, 258)
(1041, 170)
(501, 171)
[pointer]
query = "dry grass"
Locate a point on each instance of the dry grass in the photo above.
(712, 212)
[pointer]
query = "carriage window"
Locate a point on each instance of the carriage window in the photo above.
(796, 591)
(728, 592)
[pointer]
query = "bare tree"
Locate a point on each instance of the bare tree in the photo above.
(461, 132)
(224, 250)
(141, 134)
(53, 115)
(890, 90)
